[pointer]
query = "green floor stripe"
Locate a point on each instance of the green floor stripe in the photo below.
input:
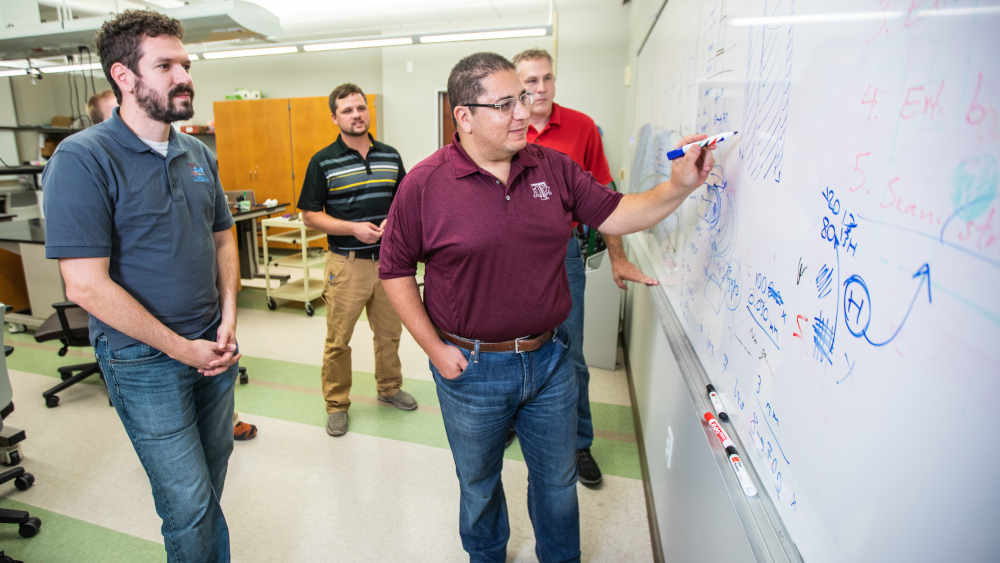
(63, 538)
(256, 298)
(291, 391)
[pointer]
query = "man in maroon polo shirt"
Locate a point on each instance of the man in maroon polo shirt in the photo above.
(490, 215)
(573, 133)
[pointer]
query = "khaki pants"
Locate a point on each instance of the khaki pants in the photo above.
(352, 285)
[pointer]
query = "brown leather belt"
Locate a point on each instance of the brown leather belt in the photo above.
(523, 344)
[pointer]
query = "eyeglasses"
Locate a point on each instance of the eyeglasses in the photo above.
(506, 105)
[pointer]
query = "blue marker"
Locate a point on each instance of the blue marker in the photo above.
(709, 142)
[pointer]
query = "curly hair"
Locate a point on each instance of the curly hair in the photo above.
(465, 81)
(119, 38)
(341, 92)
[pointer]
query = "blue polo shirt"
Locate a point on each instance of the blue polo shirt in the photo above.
(108, 194)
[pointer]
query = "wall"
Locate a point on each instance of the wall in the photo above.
(591, 46)
(410, 102)
(281, 76)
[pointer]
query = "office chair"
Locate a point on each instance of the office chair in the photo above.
(27, 525)
(69, 324)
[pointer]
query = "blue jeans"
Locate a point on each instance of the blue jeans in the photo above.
(181, 426)
(534, 392)
(573, 328)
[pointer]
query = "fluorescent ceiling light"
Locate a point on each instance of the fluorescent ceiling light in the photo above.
(358, 44)
(972, 11)
(68, 68)
(18, 72)
(167, 4)
(250, 52)
(813, 18)
(193, 56)
(472, 36)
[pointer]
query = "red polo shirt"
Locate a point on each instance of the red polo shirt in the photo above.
(573, 133)
(494, 254)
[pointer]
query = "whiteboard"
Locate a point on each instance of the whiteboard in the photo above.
(837, 276)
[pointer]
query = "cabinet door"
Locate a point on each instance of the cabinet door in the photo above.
(253, 143)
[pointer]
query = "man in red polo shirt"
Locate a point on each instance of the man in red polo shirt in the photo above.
(574, 133)
(489, 215)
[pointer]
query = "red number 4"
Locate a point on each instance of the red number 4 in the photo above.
(870, 98)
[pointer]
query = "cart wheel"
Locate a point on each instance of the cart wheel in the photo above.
(309, 309)
(52, 401)
(271, 304)
(24, 482)
(29, 528)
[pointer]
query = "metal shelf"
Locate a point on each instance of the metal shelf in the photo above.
(307, 289)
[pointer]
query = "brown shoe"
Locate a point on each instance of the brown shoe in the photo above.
(336, 423)
(401, 400)
(244, 431)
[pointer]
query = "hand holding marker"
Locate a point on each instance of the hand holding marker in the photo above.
(709, 143)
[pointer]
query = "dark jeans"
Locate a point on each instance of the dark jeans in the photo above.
(181, 426)
(573, 328)
(536, 393)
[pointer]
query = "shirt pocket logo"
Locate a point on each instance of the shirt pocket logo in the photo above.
(540, 190)
(198, 174)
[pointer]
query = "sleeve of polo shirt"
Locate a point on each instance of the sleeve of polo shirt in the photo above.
(313, 196)
(223, 217)
(402, 241)
(592, 201)
(401, 174)
(595, 160)
(77, 205)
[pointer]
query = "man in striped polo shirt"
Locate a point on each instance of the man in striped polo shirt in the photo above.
(346, 193)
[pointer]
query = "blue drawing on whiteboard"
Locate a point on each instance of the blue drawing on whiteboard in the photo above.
(823, 338)
(767, 97)
(857, 305)
(767, 330)
(850, 369)
(773, 294)
(975, 182)
(823, 279)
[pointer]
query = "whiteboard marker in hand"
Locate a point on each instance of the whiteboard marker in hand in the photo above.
(709, 143)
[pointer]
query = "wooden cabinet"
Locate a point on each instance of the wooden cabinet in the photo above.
(265, 145)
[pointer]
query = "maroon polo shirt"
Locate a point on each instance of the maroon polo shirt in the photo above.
(494, 254)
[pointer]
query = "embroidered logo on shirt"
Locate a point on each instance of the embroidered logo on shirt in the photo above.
(198, 173)
(540, 190)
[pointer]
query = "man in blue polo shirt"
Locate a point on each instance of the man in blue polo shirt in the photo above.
(489, 214)
(137, 217)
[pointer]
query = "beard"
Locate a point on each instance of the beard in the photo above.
(353, 133)
(165, 110)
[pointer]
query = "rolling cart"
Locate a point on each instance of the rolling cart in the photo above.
(307, 289)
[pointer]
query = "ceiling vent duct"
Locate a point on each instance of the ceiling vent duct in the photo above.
(225, 20)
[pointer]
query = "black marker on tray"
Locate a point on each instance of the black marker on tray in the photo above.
(720, 410)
